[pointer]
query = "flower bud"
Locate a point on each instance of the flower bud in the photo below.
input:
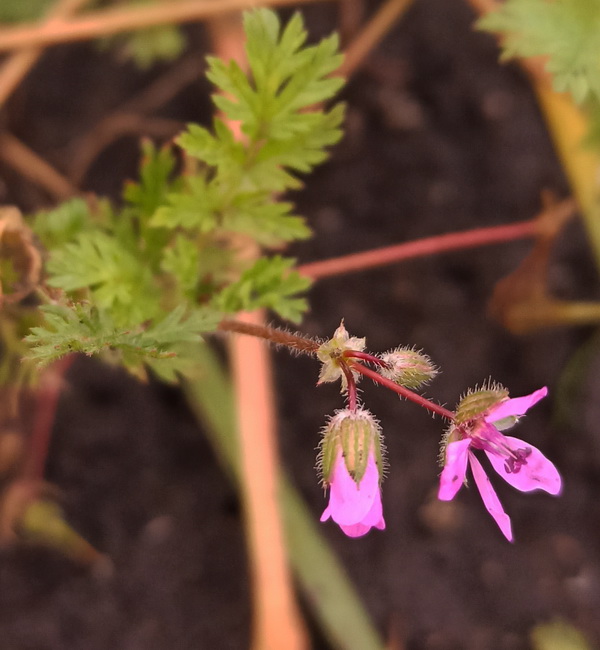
(357, 436)
(479, 401)
(407, 367)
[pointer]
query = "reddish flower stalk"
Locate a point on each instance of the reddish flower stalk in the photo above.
(365, 356)
(419, 248)
(403, 392)
(352, 401)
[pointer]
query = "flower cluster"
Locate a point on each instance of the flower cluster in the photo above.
(351, 459)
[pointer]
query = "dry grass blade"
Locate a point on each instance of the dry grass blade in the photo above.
(113, 21)
(31, 166)
(19, 64)
(371, 35)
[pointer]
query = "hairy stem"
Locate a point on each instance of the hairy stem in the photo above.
(272, 334)
(403, 392)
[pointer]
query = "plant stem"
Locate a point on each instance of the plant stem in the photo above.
(351, 382)
(365, 356)
(18, 65)
(113, 21)
(419, 248)
(272, 334)
(403, 392)
(372, 34)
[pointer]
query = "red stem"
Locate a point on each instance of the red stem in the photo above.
(351, 386)
(45, 411)
(404, 392)
(419, 248)
(365, 356)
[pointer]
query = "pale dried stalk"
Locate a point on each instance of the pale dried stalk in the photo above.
(36, 169)
(372, 34)
(277, 623)
(19, 64)
(113, 21)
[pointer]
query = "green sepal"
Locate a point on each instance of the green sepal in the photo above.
(477, 402)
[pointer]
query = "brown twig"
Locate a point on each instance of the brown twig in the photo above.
(20, 63)
(36, 169)
(129, 118)
(371, 35)
(419, 248)
(107, 22)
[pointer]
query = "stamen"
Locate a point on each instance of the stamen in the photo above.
(517, 459)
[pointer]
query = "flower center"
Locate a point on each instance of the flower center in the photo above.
(516, 460)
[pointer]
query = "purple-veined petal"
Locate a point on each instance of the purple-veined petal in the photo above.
(349, 503)
(537, 473)
(455, 469)
(490, 498)
(516, 406)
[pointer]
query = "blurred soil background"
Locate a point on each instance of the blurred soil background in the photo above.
(440, 138)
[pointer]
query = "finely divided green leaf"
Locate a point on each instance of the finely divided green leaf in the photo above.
(268, 283)
(565, 31)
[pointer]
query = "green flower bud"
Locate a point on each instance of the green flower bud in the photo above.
(355, 435)
(478, 401)
(407, 367)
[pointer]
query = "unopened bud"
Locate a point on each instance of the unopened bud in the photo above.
(407, 367)
(478, 401)
(355, 435)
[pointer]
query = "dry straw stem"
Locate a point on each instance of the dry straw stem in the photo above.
(30, 165)
(277, 622)
(372, 34)
(18, 65)
(113, 21)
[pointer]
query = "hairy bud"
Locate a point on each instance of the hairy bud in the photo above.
(478, 401)
(355, 435)
(407, 367)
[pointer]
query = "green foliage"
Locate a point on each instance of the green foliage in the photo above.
(63, 224)
(567, 32)
(268, 283)
(128, 283)
(21, 10)
(86, 329)
(147, 47)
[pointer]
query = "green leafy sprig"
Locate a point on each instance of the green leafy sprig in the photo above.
(140, 283)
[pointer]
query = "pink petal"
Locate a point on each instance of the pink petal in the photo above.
(490, 498)
(515, 406)
(537, 474)
(455, 469)
(326, 514)
(349, 503)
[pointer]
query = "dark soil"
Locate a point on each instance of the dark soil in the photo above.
(440, 138)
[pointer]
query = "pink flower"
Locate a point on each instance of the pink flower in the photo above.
(356, 508)
(521, 465)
